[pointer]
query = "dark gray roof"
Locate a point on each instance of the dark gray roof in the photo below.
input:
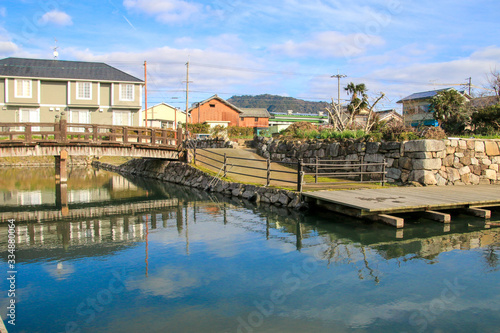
(254, 112)
(62, 69)
(422, 95)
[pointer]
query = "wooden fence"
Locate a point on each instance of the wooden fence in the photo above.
(64, 132)
(339, 171)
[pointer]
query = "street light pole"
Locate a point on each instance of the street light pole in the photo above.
(339, 76)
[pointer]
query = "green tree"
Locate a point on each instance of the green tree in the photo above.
(449, 107)
(357, 104)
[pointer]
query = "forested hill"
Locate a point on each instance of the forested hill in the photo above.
(274, 103)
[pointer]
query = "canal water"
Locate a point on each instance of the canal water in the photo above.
(112, 254)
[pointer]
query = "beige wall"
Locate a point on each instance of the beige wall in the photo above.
(12, 92)
(75, 101)
(137, 96)
(165, 113)
(2, 91)
(54, 92)
(105, 94)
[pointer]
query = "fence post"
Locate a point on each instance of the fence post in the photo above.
(225, 165)
(125, 135)
(268, 178)
(194, 155)
(57, 131)
(63, 127)
(316, 171)
(95, 136)
(383, 173)
(299, 176)
(362, 167)
(27, 133)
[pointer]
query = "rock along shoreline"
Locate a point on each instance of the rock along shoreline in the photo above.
(185, 174)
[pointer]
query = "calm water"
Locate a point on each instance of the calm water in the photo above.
(109, 254)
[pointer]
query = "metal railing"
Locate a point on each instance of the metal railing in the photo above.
(228, 161)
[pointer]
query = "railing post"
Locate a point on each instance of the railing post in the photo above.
(95, 135)
(268, 177)
(152, 140)
(383, 173)
(194, 155)
(125, 135)
(63, 126)
(225, 165)
(27, 133)
(362, 168)
(179, 135)
(299, 176)
(316, 171)
(57, 130)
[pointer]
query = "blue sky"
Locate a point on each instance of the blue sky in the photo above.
(283, 47)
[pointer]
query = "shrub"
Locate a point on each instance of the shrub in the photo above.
(239, 131)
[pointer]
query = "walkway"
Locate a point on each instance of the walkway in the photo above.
(377, 203)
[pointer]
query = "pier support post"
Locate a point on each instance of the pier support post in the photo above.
(61, 167)
(62, 198)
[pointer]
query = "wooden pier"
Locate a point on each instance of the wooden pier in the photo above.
(377, 204)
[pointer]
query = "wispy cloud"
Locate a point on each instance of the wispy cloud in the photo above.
(330, 44)
(56, 17)
(165, 11)
(3, 12)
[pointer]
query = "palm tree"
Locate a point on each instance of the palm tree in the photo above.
(357, 104)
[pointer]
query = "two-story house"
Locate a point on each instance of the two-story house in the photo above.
(416, 108)
(36, 90)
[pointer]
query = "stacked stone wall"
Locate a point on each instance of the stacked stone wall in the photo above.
(428, 162)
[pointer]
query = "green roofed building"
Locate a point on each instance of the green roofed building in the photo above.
(280, 121)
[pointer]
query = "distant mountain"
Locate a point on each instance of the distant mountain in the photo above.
(274, 103)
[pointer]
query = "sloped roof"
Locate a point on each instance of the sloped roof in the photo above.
(385, 113)
(422, 95)
(62, 69)
(222, 100)
(255, 112)
(485, 101)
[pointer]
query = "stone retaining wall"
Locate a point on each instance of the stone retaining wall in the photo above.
(185, 174)
(211, 143)
(428, 162)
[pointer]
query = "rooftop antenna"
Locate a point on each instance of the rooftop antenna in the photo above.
(55, 53)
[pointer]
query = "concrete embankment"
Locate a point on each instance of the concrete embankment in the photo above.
(185, 174)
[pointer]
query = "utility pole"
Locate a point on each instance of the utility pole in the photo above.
(470, 84)
(146, 92)
(338, 76)
(187, 96)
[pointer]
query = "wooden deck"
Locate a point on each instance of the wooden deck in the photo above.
(378, 203)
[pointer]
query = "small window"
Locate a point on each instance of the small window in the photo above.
(83, 90)
(212, 105)
(256, 119)
(241, 118)
(126, 92)
(23, 88)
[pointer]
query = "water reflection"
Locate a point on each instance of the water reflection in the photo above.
(199, 262)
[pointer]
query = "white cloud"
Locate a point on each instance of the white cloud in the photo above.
(165, 11)
(56, 17)
(330, 44)
(3, 12)
(7, 47)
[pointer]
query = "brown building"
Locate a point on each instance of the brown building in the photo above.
(218, 111)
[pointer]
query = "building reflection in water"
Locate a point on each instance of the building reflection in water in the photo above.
(129, 223)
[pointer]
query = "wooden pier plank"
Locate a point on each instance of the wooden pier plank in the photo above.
(409, 199)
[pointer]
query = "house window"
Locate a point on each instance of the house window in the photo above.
(84, 90)
(212, 105)
(256, 119)
(122, 118)
(126, 92)
(23, 88)
(79, 117)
